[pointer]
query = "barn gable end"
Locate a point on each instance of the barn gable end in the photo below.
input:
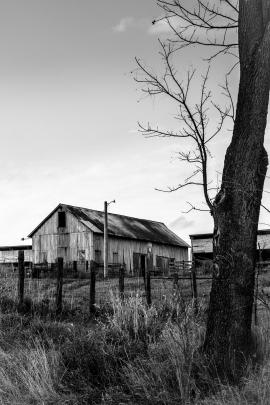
(49, 240)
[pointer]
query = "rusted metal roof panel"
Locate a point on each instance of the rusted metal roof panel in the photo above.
(128, 227)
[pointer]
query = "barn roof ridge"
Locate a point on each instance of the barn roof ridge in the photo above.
(112, 213)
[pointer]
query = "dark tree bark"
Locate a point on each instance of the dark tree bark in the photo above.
(236, 207)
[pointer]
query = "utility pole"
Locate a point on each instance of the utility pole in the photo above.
(106, 244)
(105, 239)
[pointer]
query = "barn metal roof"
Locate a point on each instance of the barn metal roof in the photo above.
(122, 226)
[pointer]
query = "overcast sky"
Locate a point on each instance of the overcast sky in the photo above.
(68, 116)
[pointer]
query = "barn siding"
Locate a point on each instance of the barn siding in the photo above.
(263, 241)
(126, 248)
(202, 245)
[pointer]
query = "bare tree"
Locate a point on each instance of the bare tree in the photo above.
(240, 31)
(194, 117)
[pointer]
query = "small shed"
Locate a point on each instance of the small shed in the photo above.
(202, 245)
(9, 255)
(76, 234)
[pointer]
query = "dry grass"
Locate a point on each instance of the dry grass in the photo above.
(29, 375)
(132, 354)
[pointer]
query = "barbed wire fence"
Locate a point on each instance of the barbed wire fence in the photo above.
(82, 286)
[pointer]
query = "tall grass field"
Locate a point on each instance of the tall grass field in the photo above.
(128, 353)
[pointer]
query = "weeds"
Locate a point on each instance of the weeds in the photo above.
(131, 354)
(29, 374)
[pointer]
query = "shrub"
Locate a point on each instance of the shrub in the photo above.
(7, 304)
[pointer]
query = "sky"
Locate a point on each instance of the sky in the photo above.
(69, 112)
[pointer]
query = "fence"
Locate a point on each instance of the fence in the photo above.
(58, 285)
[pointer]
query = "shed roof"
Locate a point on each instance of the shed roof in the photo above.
(210, 235)
(122, 226)
(16, 247)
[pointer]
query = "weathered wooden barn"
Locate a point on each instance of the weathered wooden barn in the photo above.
(76, 234)
(202, 245)
(9, 255)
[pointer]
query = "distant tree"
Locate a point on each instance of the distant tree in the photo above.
(241, 30)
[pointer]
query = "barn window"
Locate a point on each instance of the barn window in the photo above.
(61, 219)
(115, 257)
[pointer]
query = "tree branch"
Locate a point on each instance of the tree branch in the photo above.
(202, 24)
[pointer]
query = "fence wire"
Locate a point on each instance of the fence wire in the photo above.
(40, 285)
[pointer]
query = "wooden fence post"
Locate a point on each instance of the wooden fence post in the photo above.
(59, 286)
(21, 276)
(92, 307)
(121, 281)
(176, 280)
(149, 268)
(194, 288)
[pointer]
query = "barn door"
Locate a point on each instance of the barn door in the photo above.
(142, 265)
(162, 265)
(136, 263)
(139, 264)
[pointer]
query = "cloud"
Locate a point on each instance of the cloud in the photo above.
(130, 22)
(124, 24)
(133, 131)
(159, 27)
(181, 223)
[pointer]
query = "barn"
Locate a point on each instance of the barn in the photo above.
(202, 245)
(9, 255)
(77, 235)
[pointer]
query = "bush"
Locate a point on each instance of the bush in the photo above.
(26, 307)
(7, 304)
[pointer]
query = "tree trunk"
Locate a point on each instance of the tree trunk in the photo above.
(237, 206)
